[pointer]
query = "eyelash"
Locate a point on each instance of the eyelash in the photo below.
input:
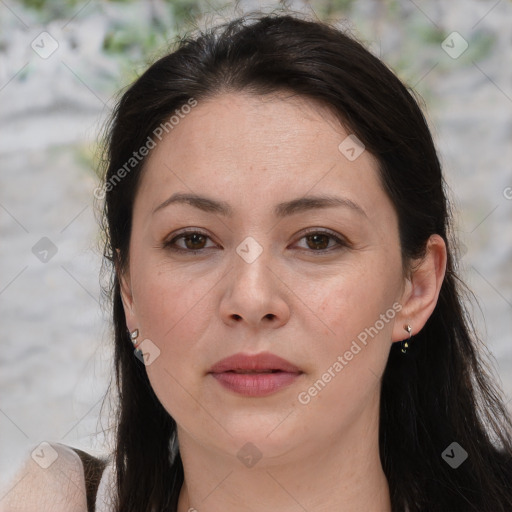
(341, 243)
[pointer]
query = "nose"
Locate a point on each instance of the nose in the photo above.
(255, 294)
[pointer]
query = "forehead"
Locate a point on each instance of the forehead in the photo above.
(243, 127)
(253, 147)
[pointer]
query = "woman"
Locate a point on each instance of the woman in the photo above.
(279, 236)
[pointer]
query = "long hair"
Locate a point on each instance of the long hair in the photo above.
(441, 392)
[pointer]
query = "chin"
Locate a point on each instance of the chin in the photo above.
(251, 440)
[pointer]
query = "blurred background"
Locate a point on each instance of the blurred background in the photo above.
(62, 65)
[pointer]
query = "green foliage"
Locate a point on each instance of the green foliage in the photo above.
(128, 40)
(429, 34)
(185, 11)
(48, 10)
(328, 9)
(480, 45)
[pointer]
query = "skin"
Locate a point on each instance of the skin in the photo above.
(254, 152)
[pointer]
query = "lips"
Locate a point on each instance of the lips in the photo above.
(255, 375)
(257, 363)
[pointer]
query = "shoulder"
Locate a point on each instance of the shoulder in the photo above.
(51, 478)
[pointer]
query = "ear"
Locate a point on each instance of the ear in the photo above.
(422, 289)
(125, 287)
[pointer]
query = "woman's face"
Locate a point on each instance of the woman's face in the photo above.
(317, 284)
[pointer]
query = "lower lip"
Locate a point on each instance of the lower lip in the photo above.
(255, 384)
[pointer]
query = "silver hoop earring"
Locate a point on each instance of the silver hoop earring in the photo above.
(133, 336)
(405, 343)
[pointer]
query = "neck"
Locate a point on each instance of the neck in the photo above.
(343, 473)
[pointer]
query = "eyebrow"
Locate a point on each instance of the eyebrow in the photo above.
(281, 210)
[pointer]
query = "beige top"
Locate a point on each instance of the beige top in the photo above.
(52, 480)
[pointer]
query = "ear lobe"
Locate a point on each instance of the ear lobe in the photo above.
(422, 291)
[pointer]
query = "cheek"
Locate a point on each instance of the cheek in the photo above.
(171, 304)
(351, 354)
(357, 314)
(355, 301)
(174, 313)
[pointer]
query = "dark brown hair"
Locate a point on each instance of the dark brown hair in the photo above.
(438, 394)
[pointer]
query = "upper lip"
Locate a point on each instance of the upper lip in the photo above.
(263, 361)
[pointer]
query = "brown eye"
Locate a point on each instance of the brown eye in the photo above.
(191, 242)
(318, 241)
(195, 241)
